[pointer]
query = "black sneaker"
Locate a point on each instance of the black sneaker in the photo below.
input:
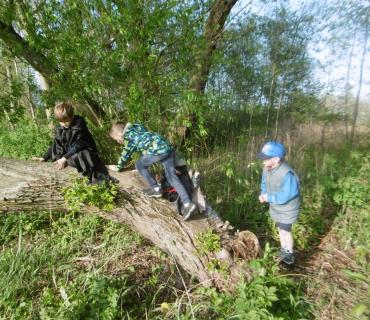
(288, 257)
(188, 211)
(151, 193)
(282, 252)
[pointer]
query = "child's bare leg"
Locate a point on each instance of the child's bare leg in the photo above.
(286, 239)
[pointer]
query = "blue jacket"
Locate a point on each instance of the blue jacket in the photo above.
(282, 187)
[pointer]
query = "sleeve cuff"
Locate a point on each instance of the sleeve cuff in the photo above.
(196, 180)
(270, 197)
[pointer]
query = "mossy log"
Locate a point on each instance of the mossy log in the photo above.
(26, 186)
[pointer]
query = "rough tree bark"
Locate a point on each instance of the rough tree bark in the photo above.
(212, 32)
(36, 186)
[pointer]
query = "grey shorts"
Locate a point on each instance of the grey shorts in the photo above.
(284, 226)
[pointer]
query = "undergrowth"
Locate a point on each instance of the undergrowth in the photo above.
(58, 266)
(24, 142)
(83, 193)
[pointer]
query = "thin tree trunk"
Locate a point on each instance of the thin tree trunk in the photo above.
(270, 101)
(348, 87)
(31, 106)
(45, 87)
(281, 98)
(360, 80)
(30, 103)
(10, 79)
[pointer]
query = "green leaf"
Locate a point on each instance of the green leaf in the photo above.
(359, 309)
(254, 264)
(354, 275)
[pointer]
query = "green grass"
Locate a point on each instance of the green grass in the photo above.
(65, 266)
(25, 142)
(63, 270)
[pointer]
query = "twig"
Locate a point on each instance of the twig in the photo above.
(295, 275)
(332, 303)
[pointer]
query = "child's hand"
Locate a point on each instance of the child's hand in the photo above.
(59, 164)
(112, 167)
(263, 197)
(196, 177)
(38, 159)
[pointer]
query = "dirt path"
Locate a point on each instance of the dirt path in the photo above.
(326, 285)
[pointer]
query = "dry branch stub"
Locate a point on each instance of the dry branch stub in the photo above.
(28, 186)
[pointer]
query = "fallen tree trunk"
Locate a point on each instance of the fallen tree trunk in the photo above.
(37, 186)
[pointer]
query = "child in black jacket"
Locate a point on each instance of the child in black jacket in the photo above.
(74, 145)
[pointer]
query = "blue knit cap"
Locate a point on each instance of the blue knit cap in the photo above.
(270, 150)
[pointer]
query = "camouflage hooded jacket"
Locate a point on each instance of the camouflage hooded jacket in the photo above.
(137, 138)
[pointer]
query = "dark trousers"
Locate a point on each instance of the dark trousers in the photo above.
(168, 161)
(89, 165)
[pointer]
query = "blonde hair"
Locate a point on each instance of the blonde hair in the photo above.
(63, 112)
(117, 127)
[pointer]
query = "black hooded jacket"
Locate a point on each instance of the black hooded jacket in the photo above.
(69, 141)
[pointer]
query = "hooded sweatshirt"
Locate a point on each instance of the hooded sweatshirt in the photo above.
(137, 138)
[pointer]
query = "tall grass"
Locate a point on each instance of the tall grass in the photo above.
(62, 270)
(24, 142)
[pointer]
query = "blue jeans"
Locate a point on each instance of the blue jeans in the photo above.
(168, 161)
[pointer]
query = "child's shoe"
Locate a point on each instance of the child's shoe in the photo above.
(188, 211)
(151, 193)
(114, 180)
(282, 252)
(286, 256)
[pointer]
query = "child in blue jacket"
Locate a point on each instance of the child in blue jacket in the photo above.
(155, 148)
(280, 188)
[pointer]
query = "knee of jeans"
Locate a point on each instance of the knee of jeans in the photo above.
(137, 165)
(173, 180)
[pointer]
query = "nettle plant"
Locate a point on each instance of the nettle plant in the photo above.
(207, 242)
(82, 193)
